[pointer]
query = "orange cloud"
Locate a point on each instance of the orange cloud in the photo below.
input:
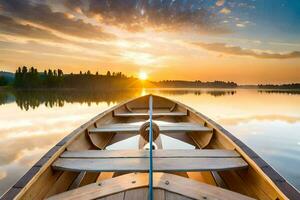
(220, 2)
(225, 11)
(136, 16)
(235, 50)
(43, 15)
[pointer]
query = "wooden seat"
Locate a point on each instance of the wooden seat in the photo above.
(159, 153)
(138, 161)
(146, 114)
(163, 128)
(135, 186)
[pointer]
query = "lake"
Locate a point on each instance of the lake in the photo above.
(268, 121)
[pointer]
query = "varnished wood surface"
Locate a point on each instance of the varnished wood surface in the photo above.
(159, 153)
(165, 127)
(142, 164)
(260, 180)
(187, 188)
(155, 114)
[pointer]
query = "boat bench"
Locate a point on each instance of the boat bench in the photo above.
(135, 186)
(146, 114)
(163, 128)
(156, 113)
(138, 160)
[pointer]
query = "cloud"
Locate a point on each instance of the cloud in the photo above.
(225, 11)
(73, 4)
(240, 25)
(43, 15)
(220, 2)
(10, 26)
(235, 50)
(136, 15)
(3, 174)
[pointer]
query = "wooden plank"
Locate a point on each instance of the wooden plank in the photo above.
(118, 196)
(38, 190)
(155, 114)
(173, 196)
(159, 153)
(134, 127)
(89, 177)
(142, 164)
(202, 140)
(77, 181)
(62, 184)
(137, 194)
(159, 194)
(204, 177)
(172, 183)
(220, 182)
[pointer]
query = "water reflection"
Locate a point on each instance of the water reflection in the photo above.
(262, 118)
(196, 92)
(218, 93)
(33, 99)
(6, 97)
(269, 122)
(290, 92)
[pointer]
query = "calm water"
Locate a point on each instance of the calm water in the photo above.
(31, 123)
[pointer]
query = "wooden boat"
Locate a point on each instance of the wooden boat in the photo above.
(220, 166)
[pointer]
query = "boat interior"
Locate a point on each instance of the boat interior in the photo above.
(95, 162)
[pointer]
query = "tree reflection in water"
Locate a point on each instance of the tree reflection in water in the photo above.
(57, 98)
(289, 92)
(33, 99)
(197, 92)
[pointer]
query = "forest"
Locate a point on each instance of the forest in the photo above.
(30, 79)
(282, 86)
(196, 84)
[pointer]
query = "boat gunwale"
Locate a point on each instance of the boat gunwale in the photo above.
(23, 183)
(279, 183)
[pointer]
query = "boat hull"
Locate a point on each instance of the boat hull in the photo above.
(259, 180)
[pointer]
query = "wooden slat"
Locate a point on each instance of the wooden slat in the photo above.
(168, 182)
(159, 153)
(155, 114)
(159, 194)
(174, 196)
(169, 128)
(142, 164)
(140, 194)
(204, 177)
(118, 196)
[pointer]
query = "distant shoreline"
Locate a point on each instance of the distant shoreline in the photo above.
(29, 79)
(7, 88)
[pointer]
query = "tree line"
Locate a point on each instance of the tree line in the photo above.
(3, 81)
(196, 84)
(282, 86)
(30, 78)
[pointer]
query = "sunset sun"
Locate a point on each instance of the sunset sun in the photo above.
(143, 76)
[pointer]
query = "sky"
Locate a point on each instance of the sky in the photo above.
(246, 41)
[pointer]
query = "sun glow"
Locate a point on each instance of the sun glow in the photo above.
(143, 76)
